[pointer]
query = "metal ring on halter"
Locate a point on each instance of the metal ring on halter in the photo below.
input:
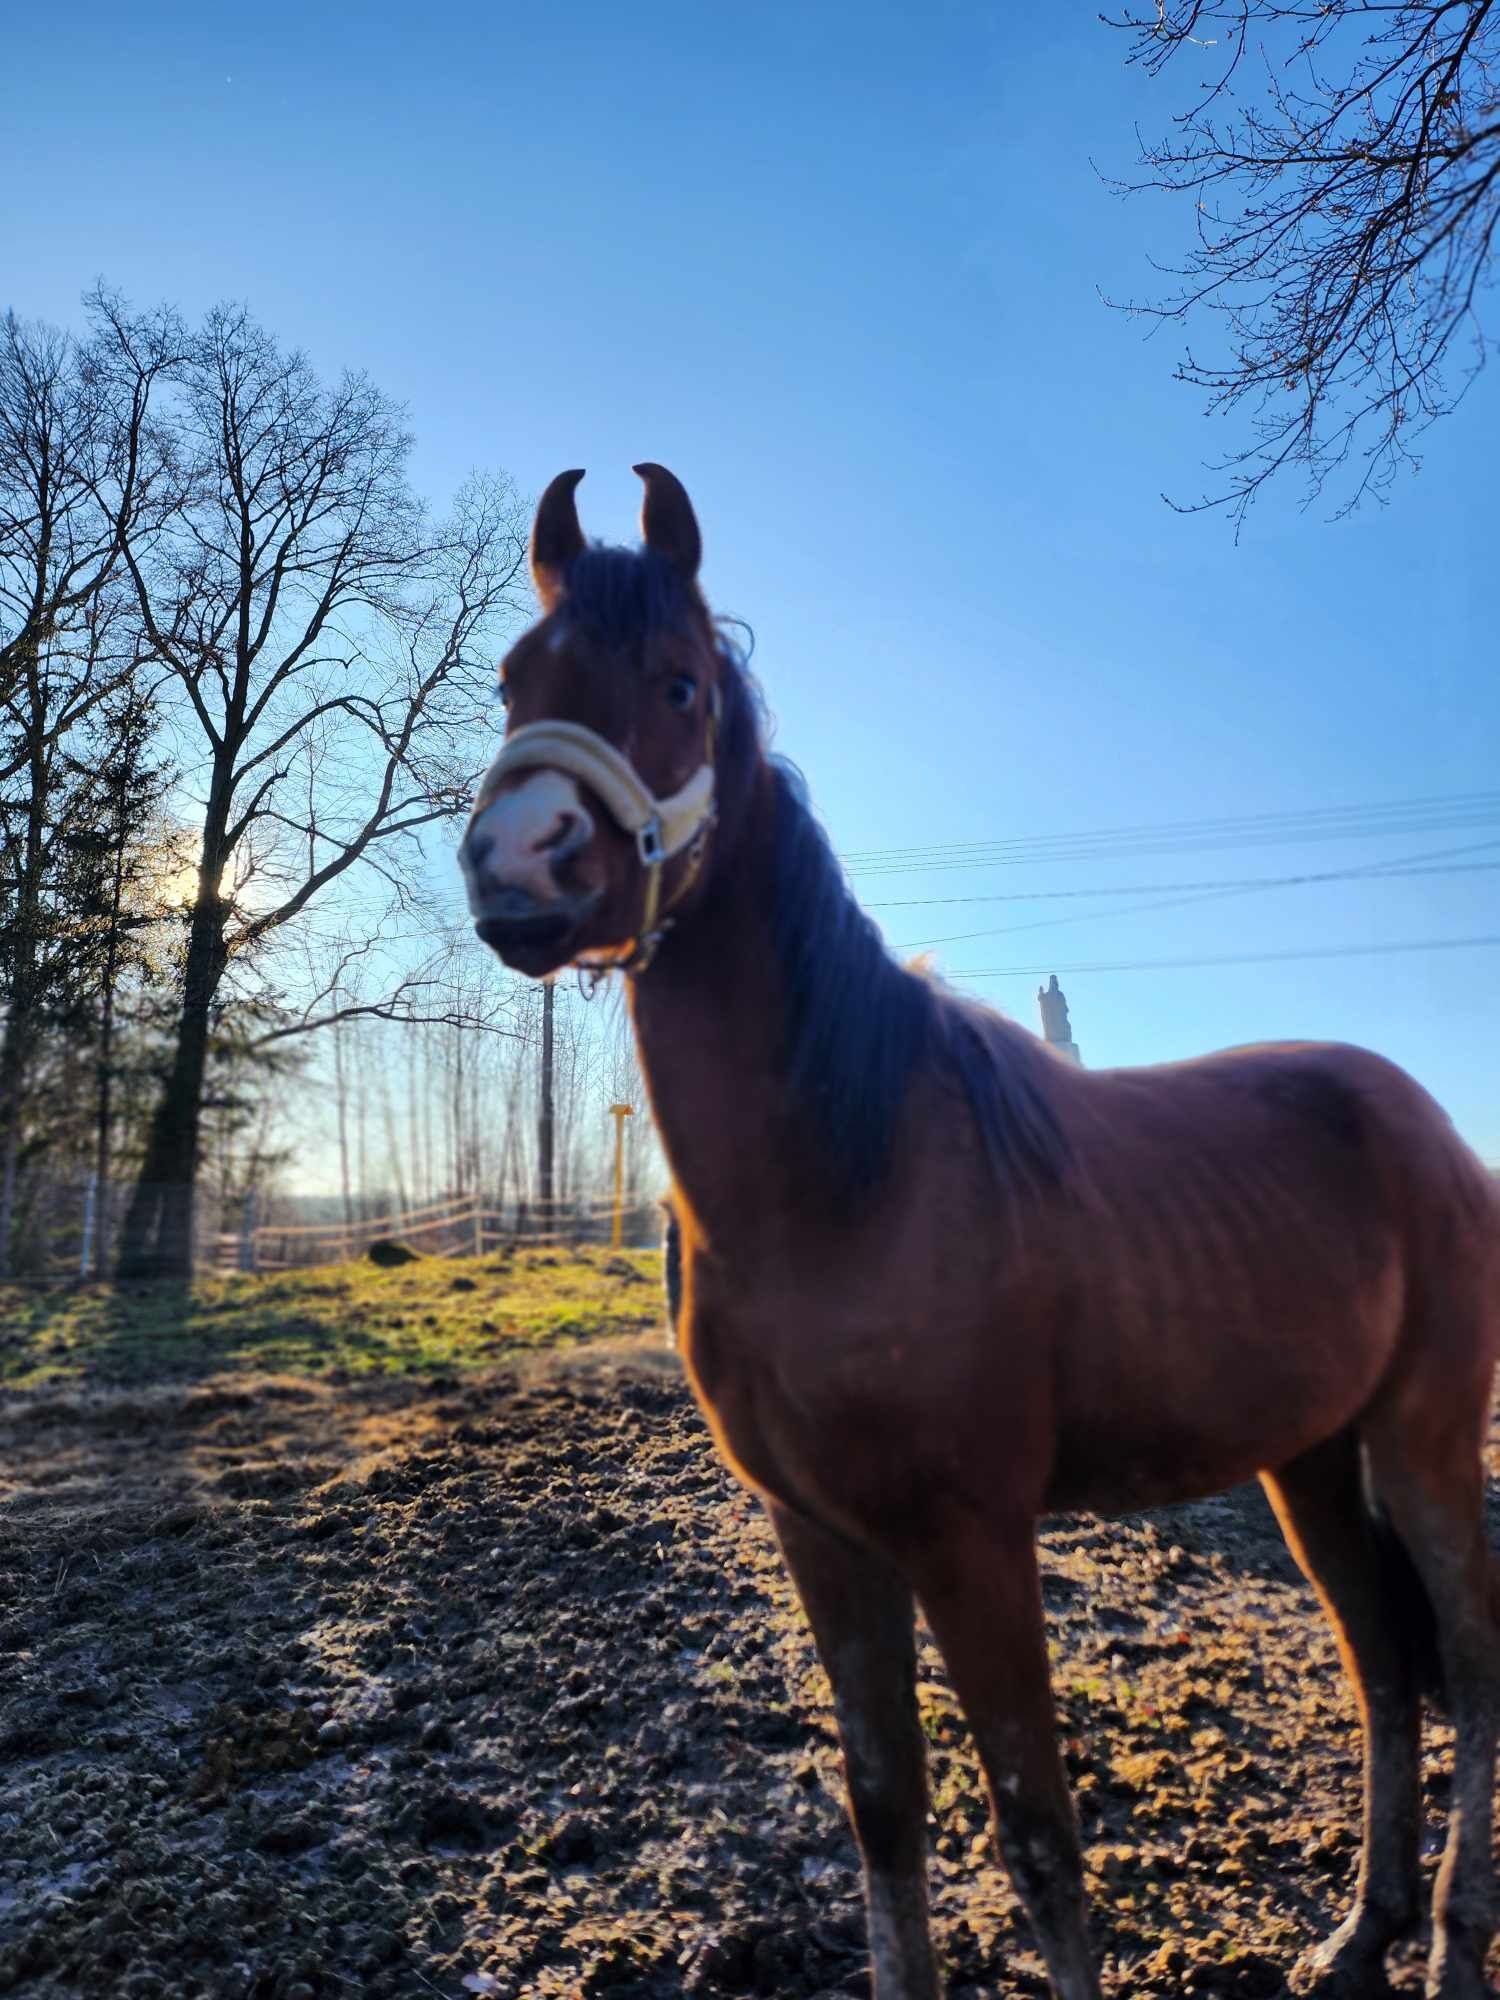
(648, 843)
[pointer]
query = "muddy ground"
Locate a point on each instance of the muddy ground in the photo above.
(491, 1684)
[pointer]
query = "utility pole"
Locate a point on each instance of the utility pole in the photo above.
(619, 1112)
(544, 1128)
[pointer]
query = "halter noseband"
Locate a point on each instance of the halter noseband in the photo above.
(662, 828)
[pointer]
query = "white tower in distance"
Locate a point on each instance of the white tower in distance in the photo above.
(1057, 1031)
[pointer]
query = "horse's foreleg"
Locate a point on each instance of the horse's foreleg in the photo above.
(983, 1601)
(862, 1618)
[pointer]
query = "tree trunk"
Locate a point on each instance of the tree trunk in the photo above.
(460, 1136)
(18, 1043)
(392, 1147)
(413, 1123)
(157, 1240)
(545, 1126)
(361, 1117)
(341, 1091)
(103, 1117)
(15, 1054)
(104, 1105)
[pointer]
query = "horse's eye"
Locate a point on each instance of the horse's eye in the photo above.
(504, 692)
(682, 692)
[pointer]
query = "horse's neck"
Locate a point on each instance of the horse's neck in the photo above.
(707, 1019)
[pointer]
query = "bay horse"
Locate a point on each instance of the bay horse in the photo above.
(937, 1283)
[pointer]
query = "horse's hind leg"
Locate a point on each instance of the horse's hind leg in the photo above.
(863, 1620)
(1319, 1501)
(982, 1598)
(1424, 1445)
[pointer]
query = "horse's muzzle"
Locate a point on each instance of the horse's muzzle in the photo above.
(529, 935)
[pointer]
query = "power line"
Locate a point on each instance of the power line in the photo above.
(1376, 812)
(1374, 809)
(1077, 917)
(1123, 846)
(331, 926)
(458, 929)
(1440, 813)
(1231, 958)
(1382, 871)
(1374, 871)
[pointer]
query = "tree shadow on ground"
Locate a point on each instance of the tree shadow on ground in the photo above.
(423, 1318)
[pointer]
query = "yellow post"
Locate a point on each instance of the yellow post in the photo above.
(619, 1112)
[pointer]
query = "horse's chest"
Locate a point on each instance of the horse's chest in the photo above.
(745, 1402)
(823, 1430)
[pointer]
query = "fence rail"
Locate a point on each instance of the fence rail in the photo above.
(67, 1230)
(464, 1227)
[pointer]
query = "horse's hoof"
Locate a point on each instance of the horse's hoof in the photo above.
(1344, 1967)
(1457, 1980)
(1455, 1970)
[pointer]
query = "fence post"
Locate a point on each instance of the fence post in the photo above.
(478, 1224)
(90, 1219)
(247, 1235)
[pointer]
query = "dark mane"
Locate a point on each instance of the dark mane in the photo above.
(858, 1026)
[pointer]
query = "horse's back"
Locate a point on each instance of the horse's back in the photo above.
(1259, 1236)
(1348, 1117)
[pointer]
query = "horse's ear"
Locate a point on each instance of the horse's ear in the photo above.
(668, 523)
(555, 538)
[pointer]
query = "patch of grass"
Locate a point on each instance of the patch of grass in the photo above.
(412, 1319)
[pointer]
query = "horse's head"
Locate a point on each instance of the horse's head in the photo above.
(590, 828)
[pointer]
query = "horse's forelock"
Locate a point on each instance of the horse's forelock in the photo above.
(624, 597)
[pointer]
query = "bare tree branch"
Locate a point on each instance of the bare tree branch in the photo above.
(1344, 161)
(440, 993)
(398, 1006)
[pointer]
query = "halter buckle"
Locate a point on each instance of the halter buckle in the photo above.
(648, 843)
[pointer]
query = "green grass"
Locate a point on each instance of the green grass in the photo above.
(419, 1317)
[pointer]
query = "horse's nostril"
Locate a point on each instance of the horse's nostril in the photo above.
(563, 837)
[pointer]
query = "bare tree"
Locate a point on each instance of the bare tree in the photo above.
(124, 864)
(79, 470)
(42, 796)
(1344, 159)
(333, 656)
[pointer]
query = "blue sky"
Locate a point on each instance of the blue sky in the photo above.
(840, 268)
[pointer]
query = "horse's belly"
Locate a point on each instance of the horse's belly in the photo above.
(1159, 1473)
(1216, 1418)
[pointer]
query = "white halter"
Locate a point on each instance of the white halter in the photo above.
(662, 827)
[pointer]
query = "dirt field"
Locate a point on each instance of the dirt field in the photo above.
(479, 1676)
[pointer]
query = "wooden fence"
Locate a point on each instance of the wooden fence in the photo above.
(465, 1226)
